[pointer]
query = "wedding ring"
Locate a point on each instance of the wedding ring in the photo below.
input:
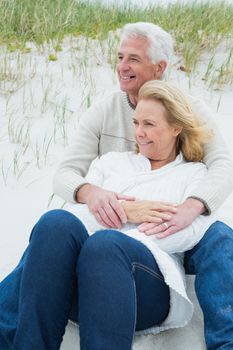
(166, 225)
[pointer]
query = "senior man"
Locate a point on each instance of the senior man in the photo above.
(143, 55)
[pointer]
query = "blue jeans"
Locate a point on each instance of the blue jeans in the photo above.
(109, 283)
(211, 260)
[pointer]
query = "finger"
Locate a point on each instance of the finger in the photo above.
(123, 196)
(160, 215)
(156, 230)
(146, 226)
(112, 216)
(105, 217)
(171, 204)
(100, 221)
(152, 219)
(170, 231)
(167, 208)
(118, 209)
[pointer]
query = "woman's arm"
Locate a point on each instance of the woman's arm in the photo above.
(139, 211)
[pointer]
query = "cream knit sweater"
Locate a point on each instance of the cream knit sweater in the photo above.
(107, 126)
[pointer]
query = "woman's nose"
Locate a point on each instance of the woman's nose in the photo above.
(139, 131)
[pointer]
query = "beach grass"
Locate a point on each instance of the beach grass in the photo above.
(28, 20)
(41, 74)
(195, 27)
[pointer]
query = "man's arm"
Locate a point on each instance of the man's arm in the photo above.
(69, 180)
(218, 182)
(186, 212)
(70, 174)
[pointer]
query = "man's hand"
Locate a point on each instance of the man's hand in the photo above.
(186, 213)
(104, 205)
(148, 211)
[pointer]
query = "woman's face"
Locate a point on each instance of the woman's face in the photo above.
(156, 139)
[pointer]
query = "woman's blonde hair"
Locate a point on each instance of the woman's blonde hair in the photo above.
(180, 112)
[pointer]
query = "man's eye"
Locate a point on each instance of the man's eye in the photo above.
(120, 58)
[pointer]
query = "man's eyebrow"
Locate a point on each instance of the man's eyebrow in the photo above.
(132, 55)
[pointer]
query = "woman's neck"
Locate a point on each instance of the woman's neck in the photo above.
(159, 163)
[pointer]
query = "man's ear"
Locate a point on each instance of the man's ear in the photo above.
(159, 69)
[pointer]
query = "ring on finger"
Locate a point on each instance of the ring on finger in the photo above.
(166, 225)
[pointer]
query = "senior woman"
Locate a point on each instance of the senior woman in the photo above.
(115, 283)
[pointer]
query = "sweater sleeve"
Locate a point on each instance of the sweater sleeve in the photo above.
(70, 174)
(218, 182)
(95, 175)
(188, 237)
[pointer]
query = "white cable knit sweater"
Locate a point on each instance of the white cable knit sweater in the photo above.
(107, 126)
(131, 174)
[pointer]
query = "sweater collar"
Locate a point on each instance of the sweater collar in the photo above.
(130, 103)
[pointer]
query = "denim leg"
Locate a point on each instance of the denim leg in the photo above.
(120, 289)
(9, 299)
(48, 281)
(212, 262)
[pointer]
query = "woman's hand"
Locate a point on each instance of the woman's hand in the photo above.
(104, 205)
(184, 216)
(148, 211)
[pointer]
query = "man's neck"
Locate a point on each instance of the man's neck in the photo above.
(132, 100)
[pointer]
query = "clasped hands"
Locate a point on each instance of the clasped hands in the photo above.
(154, 217)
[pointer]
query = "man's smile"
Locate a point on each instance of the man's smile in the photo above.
(127, 77)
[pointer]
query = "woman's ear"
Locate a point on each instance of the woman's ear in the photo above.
(159, 69)
(177, 130)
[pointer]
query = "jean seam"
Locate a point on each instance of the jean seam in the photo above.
(135, 316)
(146, 269)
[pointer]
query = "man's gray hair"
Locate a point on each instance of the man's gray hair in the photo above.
(160, 42)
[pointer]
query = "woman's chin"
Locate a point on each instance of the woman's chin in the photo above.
(145, 154)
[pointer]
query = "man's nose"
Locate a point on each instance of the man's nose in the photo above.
(123, 65)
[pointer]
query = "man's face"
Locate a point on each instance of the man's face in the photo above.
(134, 67)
